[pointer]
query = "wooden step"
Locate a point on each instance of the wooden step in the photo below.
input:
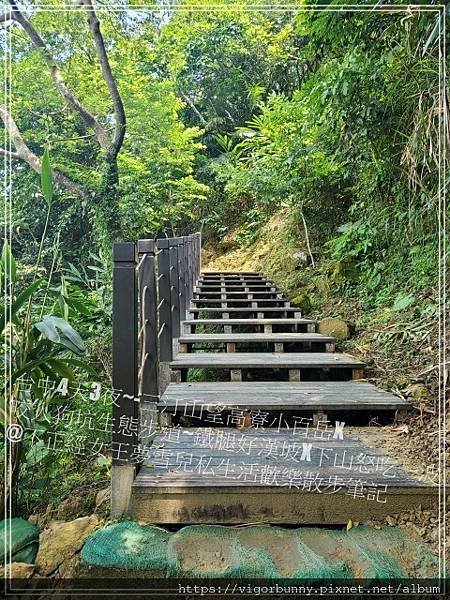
(234, 294)
(293, 362)
(237, 302)
(303, 396)
(250, 278)
(264, 360)
(239, 289)
(268, 324)
(263, 310)
(232, 276)
(226, 476)
(230, 340)
(236, 286)
(230, 273)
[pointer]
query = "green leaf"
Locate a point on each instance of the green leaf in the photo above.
(36, 453)
(28, 368)
(21, 299)
(103, 461)
(61, 368)
(81, 365)
(46, 177)
(40, 484)
(403, 302)
(58, 331)
(8, 263)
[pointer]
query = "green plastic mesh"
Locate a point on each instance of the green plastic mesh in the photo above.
(19, 540)
(127, 545)
(209, 551)
(392, 553)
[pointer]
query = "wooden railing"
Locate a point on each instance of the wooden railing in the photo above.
(153, 283)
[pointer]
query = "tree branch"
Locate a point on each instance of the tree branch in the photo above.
(25, 154)
(194, 109)
(9, 154)
(61, 86)
(119, 111)
(6, 16)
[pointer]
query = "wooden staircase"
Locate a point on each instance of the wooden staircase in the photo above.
(263, 438)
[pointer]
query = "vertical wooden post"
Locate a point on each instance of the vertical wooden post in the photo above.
(198, 258)
(186, 270)
(195, 257)
(174, 287)
(181, 278)
(165, 321)
(148, 368)
(125, 435)
(190, 267)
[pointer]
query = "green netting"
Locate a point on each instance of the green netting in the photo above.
(127, 545)
(392, 553)
(208, 551)
(19, 541)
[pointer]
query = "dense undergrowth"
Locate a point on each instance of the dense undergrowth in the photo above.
(396, 332)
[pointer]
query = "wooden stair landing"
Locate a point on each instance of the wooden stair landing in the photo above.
(228, 476)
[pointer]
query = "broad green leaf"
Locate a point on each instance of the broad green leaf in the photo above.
(403, 302)
(81, 365)
(8, 263)
(41, 483)
(21, 299)
(82, 307)
(58, 331)
(103, 461)
(61, 367)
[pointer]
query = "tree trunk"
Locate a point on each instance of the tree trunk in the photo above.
(9, 495)
(106, 219)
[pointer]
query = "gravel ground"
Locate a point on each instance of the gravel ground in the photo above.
(415, 447)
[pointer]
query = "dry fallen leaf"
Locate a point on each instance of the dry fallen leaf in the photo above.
(404, 429)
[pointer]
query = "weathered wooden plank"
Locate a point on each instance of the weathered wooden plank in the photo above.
(214, 278)
(237, 287)
(349, 457)
(249, 296)
(257, 293)
(261, 360)
(232, 273)
(225, 440)
(230, 506)
(280, 395)
(274, 321)
(249, 309)
(241, 301)
(254, 337)
(214, 480)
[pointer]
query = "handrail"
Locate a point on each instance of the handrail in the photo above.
(153, 284)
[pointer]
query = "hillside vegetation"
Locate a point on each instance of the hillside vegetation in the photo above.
(307, 143)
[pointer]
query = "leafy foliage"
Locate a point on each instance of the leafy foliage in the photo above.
(324, 122)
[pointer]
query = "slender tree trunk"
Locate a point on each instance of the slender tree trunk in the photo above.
(105, 211)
